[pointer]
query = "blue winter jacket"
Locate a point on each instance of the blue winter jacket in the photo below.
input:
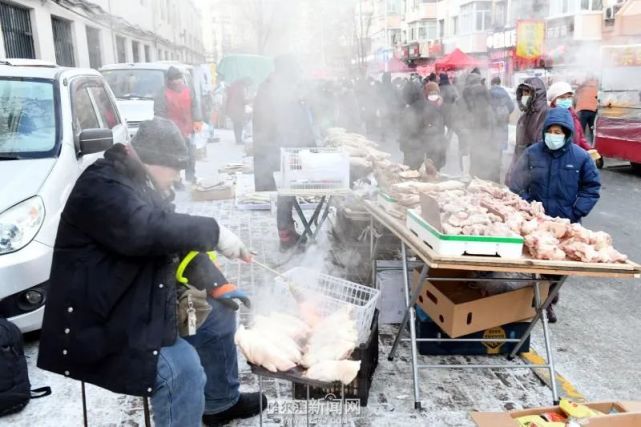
(566, 180)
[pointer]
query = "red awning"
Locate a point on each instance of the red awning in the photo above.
(456, 60)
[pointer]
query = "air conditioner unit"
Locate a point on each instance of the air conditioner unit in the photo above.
(609, 13)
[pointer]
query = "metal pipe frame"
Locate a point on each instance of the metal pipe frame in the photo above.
(556, 283)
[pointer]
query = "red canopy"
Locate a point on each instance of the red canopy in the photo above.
(456, 60)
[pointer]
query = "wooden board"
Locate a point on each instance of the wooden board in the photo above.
(479, 263)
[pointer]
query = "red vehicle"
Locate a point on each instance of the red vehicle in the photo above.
(618, 123)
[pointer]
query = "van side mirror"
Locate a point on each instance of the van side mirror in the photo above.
(95, 141)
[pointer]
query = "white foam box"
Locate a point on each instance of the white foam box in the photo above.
(427, 227)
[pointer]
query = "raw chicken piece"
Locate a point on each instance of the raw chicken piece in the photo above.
(334, 338)
(292, 320)
(578, 250)
(601, 240)
(529, 227)
(259, 350)
(543, 245)
(559, 228)
(294, 330)
(344, 371)
(612, 255)
(499, 229)
(309, 313)
(450, 229)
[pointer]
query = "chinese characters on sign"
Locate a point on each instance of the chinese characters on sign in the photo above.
(329, 407)
(623, 56)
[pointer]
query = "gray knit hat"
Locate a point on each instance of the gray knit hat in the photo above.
(159, 142)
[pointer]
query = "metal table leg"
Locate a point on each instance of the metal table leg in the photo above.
(260, 400)
(406, 316)
(323, 218)
(307, 404)
(412, 319)
(548, 346)
(554, 291)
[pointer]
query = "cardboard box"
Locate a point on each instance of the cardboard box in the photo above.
(620, 414)
(427, 328)
(461, 310)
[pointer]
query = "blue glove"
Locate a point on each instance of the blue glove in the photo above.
(227, 293)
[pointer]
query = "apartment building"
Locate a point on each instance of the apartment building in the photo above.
(92, 33)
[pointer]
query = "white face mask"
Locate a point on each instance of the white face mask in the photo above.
(525, 99)
(554, 141)
(433, 97)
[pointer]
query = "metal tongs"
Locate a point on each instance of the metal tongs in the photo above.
(298, 296)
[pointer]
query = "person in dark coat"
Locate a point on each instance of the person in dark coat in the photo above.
(236, 103)
(503, 109)
(110, 318)
(449, 94)
(478, 126)
(531, 97)
(423, 130)
(558, 173)
(281, 120)
(178, 103)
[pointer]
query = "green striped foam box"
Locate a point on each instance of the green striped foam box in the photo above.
(450, 245)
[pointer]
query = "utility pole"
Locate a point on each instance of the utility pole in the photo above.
(113, 36)
(361, 48)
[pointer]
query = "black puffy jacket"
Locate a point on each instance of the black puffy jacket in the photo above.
(112, 303)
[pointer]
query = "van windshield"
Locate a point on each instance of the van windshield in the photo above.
(27, 118)
(135, 84)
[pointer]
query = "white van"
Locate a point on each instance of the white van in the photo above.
(54, 122)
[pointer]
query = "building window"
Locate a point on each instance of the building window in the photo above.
(476, 17)
(441, 28)
(93, 43)
(147, 57)
(591, 4)
(121, 50)
(135, 49)
(63, 42)
(16, 31)
(454, 26)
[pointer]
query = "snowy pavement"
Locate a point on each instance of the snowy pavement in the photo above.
(596, 339)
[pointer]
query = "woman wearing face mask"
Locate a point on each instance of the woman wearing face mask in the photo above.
(561, 95)
(558, 173)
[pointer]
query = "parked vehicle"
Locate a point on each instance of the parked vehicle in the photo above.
(617, 129)
(54, 122)
(136, 86)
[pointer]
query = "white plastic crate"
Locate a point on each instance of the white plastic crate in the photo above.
(314, 170)
(328, 294)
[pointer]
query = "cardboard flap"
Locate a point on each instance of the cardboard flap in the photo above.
(430, 211)
(493, 419)
(631, 406)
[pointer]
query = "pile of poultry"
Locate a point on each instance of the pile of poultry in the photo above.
(321, 345)
(486, 209)
(367, 158)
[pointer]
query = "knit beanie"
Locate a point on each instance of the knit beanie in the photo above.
(159, 142)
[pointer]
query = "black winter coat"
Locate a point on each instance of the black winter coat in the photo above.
(530, 124)
(112, 304)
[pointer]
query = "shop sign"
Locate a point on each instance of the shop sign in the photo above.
(500, 55)
(530, 38)
(622, 56)
(502, 40)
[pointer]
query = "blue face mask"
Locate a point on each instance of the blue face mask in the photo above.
(553, 141)
(564, 103)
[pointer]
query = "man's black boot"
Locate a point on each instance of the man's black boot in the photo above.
(247, 406)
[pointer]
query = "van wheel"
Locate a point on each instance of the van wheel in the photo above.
(636, 167)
